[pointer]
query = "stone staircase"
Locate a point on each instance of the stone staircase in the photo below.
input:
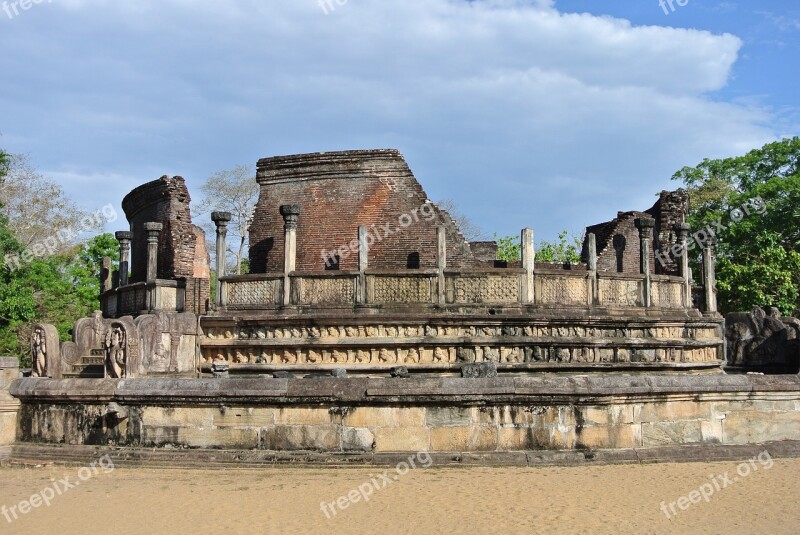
(91, 366)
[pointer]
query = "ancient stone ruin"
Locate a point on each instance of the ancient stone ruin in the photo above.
(375, 276)
(763, 341)
(368, 323)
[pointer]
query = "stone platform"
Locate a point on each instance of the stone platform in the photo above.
(23, 454)
(441, 414)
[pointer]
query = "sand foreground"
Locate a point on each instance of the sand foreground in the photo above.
(586, 499)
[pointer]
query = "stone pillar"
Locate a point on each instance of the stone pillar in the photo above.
(645, 226)
(441, 263)
(105, 275)
(592, 265)
(528, 263)
(709, 274)
(221, 220)
(290, 213)
(124, 238)
(363, 264)
(153, 230)
(682, 233)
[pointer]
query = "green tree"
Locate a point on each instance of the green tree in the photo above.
(57, 289)
(4, 163)
(563, 250)
(84, 269)
(508, 248)
(752, 205)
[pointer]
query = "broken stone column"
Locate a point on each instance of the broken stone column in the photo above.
(290, 213)
(221, 220)
(709, 274)
(124, 238)
(441, 263)
(682, 234)
(528, 263)
(645, 226)
(153, 230)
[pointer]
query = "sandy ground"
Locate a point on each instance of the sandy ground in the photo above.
(588, 499)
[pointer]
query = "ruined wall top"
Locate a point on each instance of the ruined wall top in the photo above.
(165, 201)
(618, 239)
(339, 191)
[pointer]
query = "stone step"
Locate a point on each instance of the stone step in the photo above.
(91, 361)
(86, 371)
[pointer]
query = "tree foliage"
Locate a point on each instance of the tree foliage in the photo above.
(4, 161)
(758, 251)
(235, 191)
(36, 208)
(57, 289)
(563, 250)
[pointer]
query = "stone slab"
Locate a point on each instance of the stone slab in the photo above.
(26, 454)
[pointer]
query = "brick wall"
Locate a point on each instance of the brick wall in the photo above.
(337, 192)
(181, 246)
(670, 209)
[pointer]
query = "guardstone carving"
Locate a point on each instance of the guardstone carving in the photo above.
(45, 351)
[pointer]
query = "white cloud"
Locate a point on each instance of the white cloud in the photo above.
(494, 103)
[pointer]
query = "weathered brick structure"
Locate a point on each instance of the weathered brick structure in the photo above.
(618, 239)
(339, 191)
(181, 245)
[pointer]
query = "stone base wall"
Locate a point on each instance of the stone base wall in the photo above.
(9, 371)
(405, 415)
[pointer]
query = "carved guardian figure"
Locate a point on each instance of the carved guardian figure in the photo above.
(39, 353)
(45, 351)
(115, 352)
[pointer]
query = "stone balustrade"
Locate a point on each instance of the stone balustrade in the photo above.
(497, 287)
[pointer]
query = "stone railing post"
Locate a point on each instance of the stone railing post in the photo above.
(221, 220)
(105, 275)
(682, 234)
(363, 264)
(645, 226)
(709, 274)
(592, 266)
(528, 263)
(124, 238)
(290, 213)
(441, 264)
(153, 230)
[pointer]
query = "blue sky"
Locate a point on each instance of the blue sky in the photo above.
(552, 115)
